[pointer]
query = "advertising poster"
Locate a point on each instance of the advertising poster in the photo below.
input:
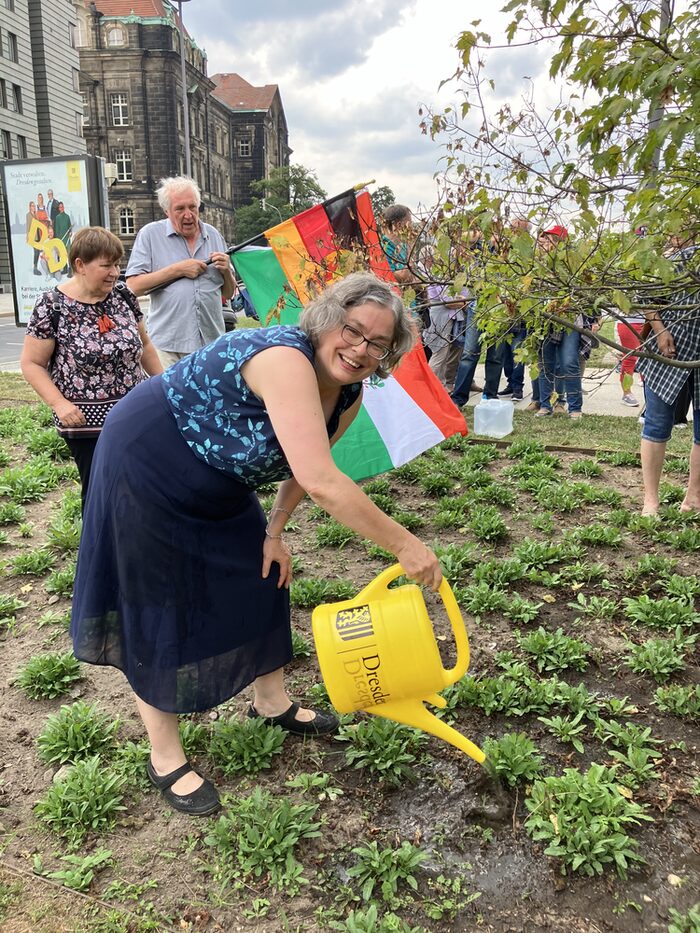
(46, 202)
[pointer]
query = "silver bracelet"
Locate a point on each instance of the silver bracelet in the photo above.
(274, 537)
(277, 508)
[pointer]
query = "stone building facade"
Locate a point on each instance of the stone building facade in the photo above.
(130, 79)
(40, 102)
(259, 130)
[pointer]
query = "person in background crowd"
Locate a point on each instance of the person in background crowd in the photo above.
(182, 260)
(181, 582)
(445, 335)
(513, 370)
(86, 345)
(676, 332)
(398, 237)
(559, 354)
(398, 241)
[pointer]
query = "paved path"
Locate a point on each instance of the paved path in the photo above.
(602, 393)
(601, 385)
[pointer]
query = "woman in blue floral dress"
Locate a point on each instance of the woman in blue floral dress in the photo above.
(86, 345)
(181, 582)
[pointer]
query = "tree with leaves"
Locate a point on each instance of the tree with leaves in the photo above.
(382, 198)
(616, 153)
(288, 190)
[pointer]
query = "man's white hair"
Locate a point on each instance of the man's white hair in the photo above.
(167, 187)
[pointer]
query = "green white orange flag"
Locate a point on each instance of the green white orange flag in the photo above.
(401, 416)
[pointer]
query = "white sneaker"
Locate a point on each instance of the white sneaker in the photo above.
(629, 399)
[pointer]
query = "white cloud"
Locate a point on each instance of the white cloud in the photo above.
(352, 78)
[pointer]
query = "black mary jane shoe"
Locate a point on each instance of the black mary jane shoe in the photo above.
(323, 723)
(200, 802)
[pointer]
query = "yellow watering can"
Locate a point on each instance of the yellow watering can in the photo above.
(378, 653)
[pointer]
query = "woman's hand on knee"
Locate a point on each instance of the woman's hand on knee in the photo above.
(276, 551)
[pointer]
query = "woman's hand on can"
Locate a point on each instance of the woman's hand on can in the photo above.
(420, 563)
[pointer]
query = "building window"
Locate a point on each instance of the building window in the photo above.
(12, 52)
(21, 147)
(79, 124)
(15, 98)
(116, 36)
(245, 148)
(10, 5)
(127, 226)
(3, 94)
(5, 145)
(123, 159)
(81, 32)
(76, 79)
(120, 109)
(86, 108)
(71, 35)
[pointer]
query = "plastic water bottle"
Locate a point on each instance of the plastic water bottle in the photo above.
(493, 417)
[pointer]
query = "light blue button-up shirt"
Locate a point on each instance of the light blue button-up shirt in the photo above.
(186, 314)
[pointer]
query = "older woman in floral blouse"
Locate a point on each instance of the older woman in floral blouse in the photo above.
(86, 344)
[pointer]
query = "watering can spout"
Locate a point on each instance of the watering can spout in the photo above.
(414, 713)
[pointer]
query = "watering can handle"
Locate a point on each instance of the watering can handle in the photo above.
(459, 631)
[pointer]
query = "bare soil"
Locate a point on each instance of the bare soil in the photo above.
(470, 825)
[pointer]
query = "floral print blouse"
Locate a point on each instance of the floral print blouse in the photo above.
(93, 365)
(224, 422)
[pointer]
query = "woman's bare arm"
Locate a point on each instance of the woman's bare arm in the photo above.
(34, 363)
(287, 383)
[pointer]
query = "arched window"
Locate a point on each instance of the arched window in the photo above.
(116, 36)
(127, 226)
(82, 30)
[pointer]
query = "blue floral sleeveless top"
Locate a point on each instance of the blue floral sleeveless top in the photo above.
(224, 422)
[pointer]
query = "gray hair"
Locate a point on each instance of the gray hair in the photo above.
(167, 187)
(327, 312)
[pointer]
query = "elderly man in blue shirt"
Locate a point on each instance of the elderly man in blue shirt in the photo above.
(183, 261)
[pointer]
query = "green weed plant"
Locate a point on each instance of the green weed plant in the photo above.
(47, 676)
(88, 800)
(583, 818)
(258, 836)
(513, 758)
(75, 732)
(248, 747)
(387, 750)
(554, 651)
(384, 870)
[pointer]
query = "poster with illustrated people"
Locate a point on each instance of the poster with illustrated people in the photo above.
(46, 203)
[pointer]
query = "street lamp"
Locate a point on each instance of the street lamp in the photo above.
(266, 206)
(185, 104)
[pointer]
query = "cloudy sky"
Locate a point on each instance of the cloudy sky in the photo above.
(352, 77)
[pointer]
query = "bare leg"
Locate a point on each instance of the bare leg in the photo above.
(166, 748)
(271, 699)
(692, 495)
(653, 454)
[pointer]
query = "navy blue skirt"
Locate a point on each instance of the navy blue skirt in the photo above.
(168, 586)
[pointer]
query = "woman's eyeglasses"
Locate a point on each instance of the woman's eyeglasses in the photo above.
(355, 338)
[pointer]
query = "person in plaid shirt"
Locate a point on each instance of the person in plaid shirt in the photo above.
(676, 331)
